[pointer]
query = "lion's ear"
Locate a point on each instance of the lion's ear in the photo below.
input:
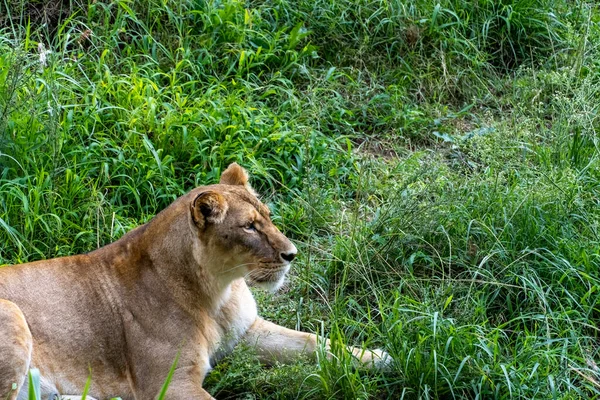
(209, 207)
(234, 175)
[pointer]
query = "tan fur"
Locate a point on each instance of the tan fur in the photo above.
(234, 175)
(124, 311)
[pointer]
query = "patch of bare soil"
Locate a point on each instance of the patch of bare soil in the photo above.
(37, 12)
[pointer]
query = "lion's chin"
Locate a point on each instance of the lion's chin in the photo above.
(269, 286)
(267, 279)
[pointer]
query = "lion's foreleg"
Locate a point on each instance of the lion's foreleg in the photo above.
(274, 343)
(187, 384)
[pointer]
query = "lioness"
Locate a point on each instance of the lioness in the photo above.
(174, 285)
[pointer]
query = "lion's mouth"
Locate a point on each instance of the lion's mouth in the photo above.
(270, 276)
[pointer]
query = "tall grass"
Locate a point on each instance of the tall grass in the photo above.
(435, 162)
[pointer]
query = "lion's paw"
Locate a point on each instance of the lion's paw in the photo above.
(381, 359)
(375, 359)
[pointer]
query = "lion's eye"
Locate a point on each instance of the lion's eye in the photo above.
(250, 227)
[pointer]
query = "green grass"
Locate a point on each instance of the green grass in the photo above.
(436, 163)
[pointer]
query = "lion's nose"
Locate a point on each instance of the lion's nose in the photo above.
(288, 256)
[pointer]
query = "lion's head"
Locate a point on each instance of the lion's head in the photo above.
(236, 232)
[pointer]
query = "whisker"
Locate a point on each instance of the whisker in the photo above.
(239, 266)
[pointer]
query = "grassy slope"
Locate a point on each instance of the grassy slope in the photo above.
(437, 165)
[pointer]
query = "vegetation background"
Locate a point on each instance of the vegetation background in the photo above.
(436, 163)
